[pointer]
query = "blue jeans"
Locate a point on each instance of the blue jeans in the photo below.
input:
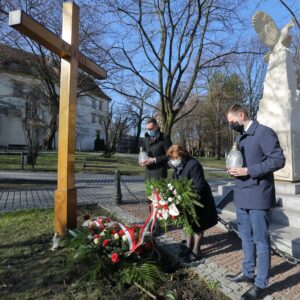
(253, 227)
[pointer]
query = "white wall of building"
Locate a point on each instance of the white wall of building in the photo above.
(11, 129)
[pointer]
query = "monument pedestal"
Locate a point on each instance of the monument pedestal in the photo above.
(285, 221)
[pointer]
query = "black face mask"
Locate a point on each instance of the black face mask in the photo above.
(237, 127)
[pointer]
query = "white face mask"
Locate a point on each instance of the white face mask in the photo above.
(176, 162)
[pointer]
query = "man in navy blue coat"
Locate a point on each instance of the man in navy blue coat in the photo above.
(253, 196)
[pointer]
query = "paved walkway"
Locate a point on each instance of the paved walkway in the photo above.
(222, 251)
(91, 188)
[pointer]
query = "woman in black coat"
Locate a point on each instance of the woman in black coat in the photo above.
(185, 166)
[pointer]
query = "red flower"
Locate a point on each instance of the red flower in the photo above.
(105, 243)
(96, 236)
(115, 257)
(173, 217)
(114, 231)
(156, 195)
(148, 246)
(166, 206)
(134, 228)
(121, 232)
(138, 250)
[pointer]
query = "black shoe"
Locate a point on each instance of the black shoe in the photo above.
(239, 278)
(191, 257)
(183, 244)
(253, 293)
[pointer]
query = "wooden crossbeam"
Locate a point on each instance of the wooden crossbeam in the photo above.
(26, 25)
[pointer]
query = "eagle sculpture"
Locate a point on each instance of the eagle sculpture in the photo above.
(269, 34)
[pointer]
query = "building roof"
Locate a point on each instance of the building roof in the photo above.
(19, 61)
(16, 60)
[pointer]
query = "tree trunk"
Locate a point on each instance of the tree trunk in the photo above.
(137, 138)
(218, 144)
(49, 139)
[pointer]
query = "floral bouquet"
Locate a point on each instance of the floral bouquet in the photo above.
(116, 251)
(174, 202)
(116, 241)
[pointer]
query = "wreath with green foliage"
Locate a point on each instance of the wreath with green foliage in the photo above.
(102, 248)
(175, 201)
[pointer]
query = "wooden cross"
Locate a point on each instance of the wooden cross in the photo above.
(67, 48)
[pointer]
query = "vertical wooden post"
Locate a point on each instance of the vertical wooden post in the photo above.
(67, 48)
(66, 195)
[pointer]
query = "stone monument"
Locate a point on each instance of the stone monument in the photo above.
(279, 107)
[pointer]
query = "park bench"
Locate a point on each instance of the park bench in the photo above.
(16, 147)
(98, 163)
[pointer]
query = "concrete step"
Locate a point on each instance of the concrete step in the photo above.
(288, 201)
(285, 216)
(283, 238)
(224, 189)
(287, 188)
(286, 239)
(282, 188)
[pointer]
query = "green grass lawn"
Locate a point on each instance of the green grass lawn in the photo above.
(213, 162)
(30, 270)
(127, 163)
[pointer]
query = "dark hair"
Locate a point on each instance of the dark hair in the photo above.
(152, 120)
(237, 108)
(180, 150)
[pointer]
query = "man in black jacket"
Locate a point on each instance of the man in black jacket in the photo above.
(156, 146)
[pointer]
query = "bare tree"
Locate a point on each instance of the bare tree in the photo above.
(185, 131)
(138, 111)
(115, 126)
(34, 127)
(291, 12)
(251, 69)
(223, 90)
(46, 63)
(167, 43)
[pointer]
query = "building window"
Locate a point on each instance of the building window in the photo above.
(31, 110)
(18, 89)
(36, 93)
(94, 104)
(100, 120)
(93, 118)
(100, 105)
